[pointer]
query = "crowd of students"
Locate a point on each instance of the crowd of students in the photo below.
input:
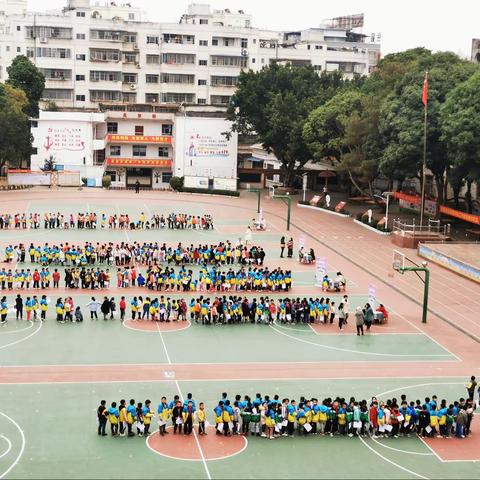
(90, 220)
(272, 417)
(119, 254)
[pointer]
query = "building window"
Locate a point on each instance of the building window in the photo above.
(153, 59)
(152, 39)
(112, 127)
(57, 94)
(163, 152)
(105, 95)
(129, 57)
(80, 78)
(34, 123)
(202, 82)
(202, 101)
(34, 151)
(131, 16)
(203, 21)
(215, 42)
(244, 43)
(151, 78)
(139, 150)
(317, 68)
(254, 60)
(18, 28)
(308, 47)
(129, 97)
(254, 41)
(318, 47)
(80, 98)
(166, 177)
(221, 81)
(115, 150)
(81, 36)
(202, 63)
(151, 97)
(19, 49)
(81, 57)
(167, 129)
(80, 14)
(138, 129)
(129, 78)
(178, 58)
(105, 76)
(203, 43)
(177, 78)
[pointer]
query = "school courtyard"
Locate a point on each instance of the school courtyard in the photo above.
(53, 376)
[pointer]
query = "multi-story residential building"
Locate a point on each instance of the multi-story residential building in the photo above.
(92, 54)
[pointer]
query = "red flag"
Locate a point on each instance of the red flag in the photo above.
(425, 90)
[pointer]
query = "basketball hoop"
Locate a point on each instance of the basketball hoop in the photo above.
(398, 262)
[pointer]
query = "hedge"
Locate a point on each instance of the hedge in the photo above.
(227, 193)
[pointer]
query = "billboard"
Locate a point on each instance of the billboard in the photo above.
(202, 149)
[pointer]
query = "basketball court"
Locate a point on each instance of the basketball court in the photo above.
(54, 375)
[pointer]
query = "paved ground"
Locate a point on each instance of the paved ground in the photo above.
(53, 375)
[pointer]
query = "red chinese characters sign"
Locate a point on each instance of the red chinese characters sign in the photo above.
(139, 139)
(135, 162)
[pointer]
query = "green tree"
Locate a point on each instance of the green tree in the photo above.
(325, 131)
(15, 136)
(274, 104)
(460, 126)
(23, 74)
(402, 118)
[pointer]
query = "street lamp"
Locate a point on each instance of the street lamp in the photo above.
(387, 194)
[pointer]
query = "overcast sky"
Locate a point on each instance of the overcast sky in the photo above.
(434, 24)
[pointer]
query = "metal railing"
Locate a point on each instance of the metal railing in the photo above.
(433, 227)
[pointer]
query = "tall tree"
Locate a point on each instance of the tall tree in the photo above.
(15, 136)
(402, 118)
(23, 74)
(460, 126)
(326, 128)
(274, 104)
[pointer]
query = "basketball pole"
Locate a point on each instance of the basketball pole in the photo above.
(426, 286)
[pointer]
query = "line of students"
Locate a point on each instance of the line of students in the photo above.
(146, 253)
(90, 220)
(271, 417)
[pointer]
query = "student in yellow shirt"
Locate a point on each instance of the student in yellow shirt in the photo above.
(201, 418)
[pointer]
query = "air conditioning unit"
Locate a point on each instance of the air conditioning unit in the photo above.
(133, 86)
(137, 65)
(43, 40)
(244, 53)
(135, 46)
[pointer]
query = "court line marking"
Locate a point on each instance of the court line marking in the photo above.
(392, 462)
(187, 324)
(22, 339)
(338, 334)
(200, 450)
(22, 448)
(328, 347)
(9, 446)
(219, 379)
(400, 450)
(19, 330)
(427, 335)
(195, 459)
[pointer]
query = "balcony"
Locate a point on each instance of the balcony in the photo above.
(140, 139)
(139, 162)
(98, 144)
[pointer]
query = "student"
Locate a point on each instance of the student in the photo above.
(123, 307)
(471, 387)
(122, 417)
(102, 415)
(105, 308)
(187, 416)
(201, 418)
(282, 246)
(140, 420)
(359, 320)
(19, 308)
(78, 315)
(147, 416)
(113, 416)
(290, 248)
(163, 416)
(131, 417)
(59, 310)
(93, 307)
(177, 417)
(43, 307)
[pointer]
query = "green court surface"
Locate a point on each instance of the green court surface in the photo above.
(68, 411)
(52, 376)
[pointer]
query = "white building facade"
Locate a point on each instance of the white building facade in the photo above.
(94, 54)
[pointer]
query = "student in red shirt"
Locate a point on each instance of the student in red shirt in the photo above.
(56, 278)
(123, 307)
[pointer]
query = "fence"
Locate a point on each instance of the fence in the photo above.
(433, 227)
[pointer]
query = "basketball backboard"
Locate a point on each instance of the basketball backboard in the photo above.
(398, 261)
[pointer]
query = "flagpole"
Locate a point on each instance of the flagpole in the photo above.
(424, 163)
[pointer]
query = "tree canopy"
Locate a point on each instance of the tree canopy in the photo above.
(23, 74)
(15, 136)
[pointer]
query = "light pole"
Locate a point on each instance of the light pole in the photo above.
(304, 185)
(387, 194)
(289, 204)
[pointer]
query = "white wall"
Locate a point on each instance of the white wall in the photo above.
(201, 149)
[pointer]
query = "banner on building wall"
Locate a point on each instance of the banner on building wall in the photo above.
(64, 138)
(225, 184)
(467, 217)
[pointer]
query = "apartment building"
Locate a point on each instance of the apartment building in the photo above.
(103, 53)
